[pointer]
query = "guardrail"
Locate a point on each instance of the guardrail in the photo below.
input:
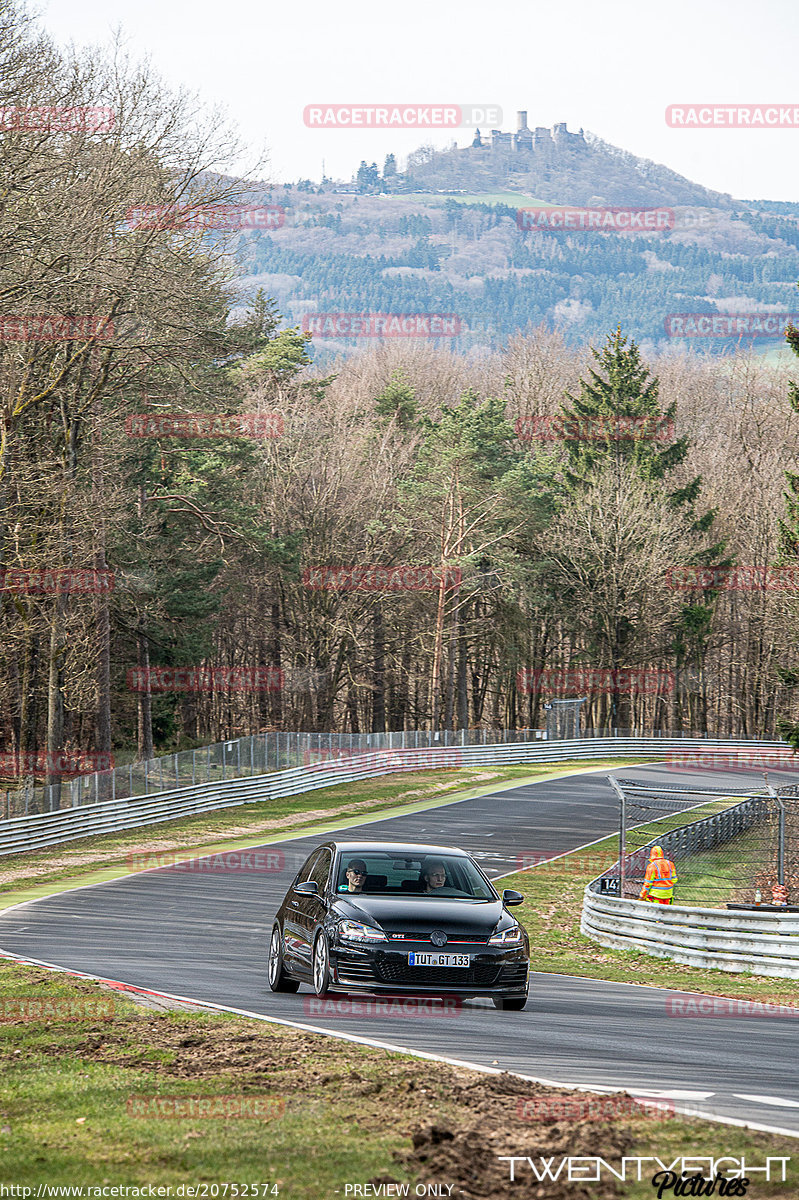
(765, 943)
(24, 833)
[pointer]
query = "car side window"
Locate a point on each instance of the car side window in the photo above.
(320, 870)
(309, 866)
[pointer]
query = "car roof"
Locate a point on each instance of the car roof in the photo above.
(413, 849)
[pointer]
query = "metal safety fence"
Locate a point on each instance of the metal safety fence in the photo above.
(29, 832)
(280, 750)
(765, 943)
(740, 848)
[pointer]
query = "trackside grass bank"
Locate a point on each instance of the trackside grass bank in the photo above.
(97, 1091)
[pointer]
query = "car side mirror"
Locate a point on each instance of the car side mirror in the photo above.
(311, 888)
(509, 898)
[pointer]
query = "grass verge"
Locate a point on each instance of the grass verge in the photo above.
(333, 1113)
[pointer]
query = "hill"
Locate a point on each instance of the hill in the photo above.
(414, 242)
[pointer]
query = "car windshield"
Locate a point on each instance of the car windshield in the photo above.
(446, 877)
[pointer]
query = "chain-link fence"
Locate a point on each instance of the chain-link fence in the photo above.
(727, 848)
(257, 755)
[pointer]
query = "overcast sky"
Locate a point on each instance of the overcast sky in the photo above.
(610, 67)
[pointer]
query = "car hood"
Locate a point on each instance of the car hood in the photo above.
(395, 914)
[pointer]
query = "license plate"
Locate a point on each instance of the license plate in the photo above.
(417, 959)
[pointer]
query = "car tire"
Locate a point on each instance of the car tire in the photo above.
(278, 979)
(321, 965)
(509, 1003)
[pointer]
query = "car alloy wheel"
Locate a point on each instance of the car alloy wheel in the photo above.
(278, 980)
(321, 965)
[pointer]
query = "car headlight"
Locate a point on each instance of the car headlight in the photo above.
(508, 937)
(356, 931)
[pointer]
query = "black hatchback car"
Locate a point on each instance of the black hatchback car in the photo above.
(398, 918)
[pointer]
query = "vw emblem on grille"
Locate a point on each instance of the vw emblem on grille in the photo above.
(438, 937)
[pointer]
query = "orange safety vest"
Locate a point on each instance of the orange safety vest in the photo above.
(660, 879)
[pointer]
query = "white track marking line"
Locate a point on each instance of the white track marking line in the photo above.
(777, 1101)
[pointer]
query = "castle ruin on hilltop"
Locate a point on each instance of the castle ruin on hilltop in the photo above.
(541, 139)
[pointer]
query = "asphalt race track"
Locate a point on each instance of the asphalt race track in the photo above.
(204, 935)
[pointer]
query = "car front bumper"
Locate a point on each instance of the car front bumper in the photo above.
(493, 971)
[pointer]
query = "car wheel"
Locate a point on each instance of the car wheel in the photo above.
(321, 965)
(278, 979)
(509, 1003)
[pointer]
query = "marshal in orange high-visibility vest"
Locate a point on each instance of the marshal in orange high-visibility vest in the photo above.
(660, 878)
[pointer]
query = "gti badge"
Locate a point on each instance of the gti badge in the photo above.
(438, 937)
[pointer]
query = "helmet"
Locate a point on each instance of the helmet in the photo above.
(655, 852)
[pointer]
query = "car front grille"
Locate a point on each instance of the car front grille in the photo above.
(394, 968)
(360, 971)
(514, 974)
